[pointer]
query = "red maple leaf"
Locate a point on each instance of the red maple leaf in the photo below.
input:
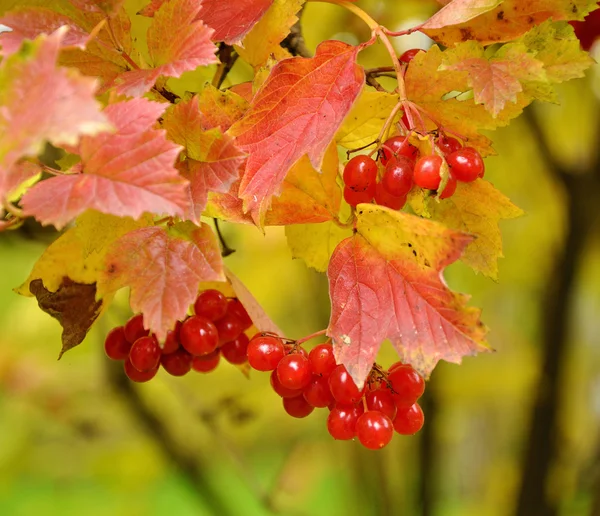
(386, 282)
(163, 268)
(177, 42)
(42, 102)
(231, 23)
(212, 159)
(30, 22)
(125, 173)
(297, 111)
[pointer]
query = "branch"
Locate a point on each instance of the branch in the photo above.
(294, 41)
(191, 468)
(227, 58)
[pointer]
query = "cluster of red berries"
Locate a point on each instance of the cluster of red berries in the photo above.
(198, 342)
(305, 381)
(401, 168)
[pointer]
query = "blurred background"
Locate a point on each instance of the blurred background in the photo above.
(514, 432)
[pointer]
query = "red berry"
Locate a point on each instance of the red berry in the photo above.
(229, 328)
(211, 304)
(374, 430)
(293, 371)
(448, 145)
(206, 363)
(145, 354)
(360, 173)
(588, 30)
(482, 173)
(353, 198)
(178, 363)
(317, 392)
(395, 365)
(236, 308)
(383, 198)
(236, 351)
(450, 188)
(322, 360)
(342, 386)
(282, 391)
(466, 164)
(138, 376)
(341, 422)
(408, 385)
(265, 352)
(381, 400)
(134, 328)
(198, 335)
(116, 346)
(427, 172)
(297, 406)
(409, 55)
(172, 340)
(397, 179)
(409, 420)
(397, 146)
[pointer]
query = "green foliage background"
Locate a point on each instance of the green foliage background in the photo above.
(71, 445)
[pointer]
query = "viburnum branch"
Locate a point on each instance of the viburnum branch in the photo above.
(371, 81)
(13, 210)
(403, 32)
(11, 224)
(294, 41)
(227, 58)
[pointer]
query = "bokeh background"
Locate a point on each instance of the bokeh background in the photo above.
(514, 432)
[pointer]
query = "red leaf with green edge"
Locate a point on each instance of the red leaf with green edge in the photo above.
(386, 282)
(297, 111)
(15, 176)
(232, 23)
(40, 102)
(27, 23)
(177, 42)
(73, 305)
(163, 268)
(126, 173)
(459, 11)
(212, 159)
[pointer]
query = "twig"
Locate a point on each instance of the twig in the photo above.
(294, 41)
(225, 249)
(227, 58)
(193, 471)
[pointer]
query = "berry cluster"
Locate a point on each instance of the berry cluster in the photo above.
(217, 329)
(399, 166)
(306, 381)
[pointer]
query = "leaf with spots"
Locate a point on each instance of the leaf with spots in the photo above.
(509, 20)
(163, 267)
(297, 111)
(476, 208)
(386, 282)
(127, 173)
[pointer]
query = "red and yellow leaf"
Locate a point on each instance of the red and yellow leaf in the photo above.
(126, 173)
(509, 20)
(178, 42)
(231, 23)
(163, 268)
(386, 282)
(297, 111)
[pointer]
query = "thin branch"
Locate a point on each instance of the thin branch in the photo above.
(294, 41)
(225, 249)
(227, 58)
(191, 467)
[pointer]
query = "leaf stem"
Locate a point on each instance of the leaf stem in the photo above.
(311, 336)
(227, 58)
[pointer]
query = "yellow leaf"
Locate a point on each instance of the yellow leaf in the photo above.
(477, 208)
(263, 40)
(79, 253)
(314, 243)
(365, 120)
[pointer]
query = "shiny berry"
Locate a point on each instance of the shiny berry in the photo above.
(449, 189)
(293, 371)
(145, 354)
(297, 406)
(448, 145)
(178, 363)
(397, 179)
(198, 335)
(282, 391)
(381, 400)
(116, 346)
(409, 55)
(427, 172)
(236, 308)
(342, 386)
(383, 198)
(206, 363)
(407, 385)
(211, 304)
(341, 422)
(236, 351)
(265, 352)
(138, 376)
(397, 146)
(374, 430)
(466, 164)
(322, 360)
(317, 392)
(134, 328)
(409, 420)
(360, 173)
(354, 198)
